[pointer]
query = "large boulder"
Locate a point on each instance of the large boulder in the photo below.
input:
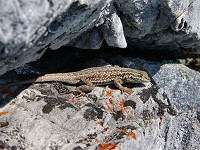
(163, 114)
(28, 28)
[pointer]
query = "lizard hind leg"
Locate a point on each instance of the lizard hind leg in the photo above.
(82, 90)
(85, 88)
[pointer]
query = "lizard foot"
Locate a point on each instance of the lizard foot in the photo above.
(78, 93)
(82, 90)
(127, 90)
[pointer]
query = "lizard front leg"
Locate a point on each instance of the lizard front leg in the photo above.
(118, 83)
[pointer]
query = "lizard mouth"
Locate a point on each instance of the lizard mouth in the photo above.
(147, 80)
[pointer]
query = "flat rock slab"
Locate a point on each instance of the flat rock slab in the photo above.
(52, 116)
(39, 118)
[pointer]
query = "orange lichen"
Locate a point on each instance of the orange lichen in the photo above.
(108, 93)
(71, 100)
(100, 123)
(111, 101)
(105, 129)
(3, 113)
(96, 140)
(132, 134)
(108, 146)
(123, 129)
(109, 107)
(6, 91)
(121, 105)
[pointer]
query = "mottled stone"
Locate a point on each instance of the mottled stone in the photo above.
(29, 28)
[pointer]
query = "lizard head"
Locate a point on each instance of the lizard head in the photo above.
(137, 76)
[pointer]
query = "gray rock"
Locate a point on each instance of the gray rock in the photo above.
(49, 116)
(32, 27)
(28, 28)
(181, 84)
(39, 121)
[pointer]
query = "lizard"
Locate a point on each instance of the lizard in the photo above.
(91, 77)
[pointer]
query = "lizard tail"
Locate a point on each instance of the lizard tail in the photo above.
(44, 78)
(21, 82)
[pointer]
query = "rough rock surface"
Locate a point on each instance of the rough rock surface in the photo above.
(28, 28)
(50, 116)
(181, 84)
